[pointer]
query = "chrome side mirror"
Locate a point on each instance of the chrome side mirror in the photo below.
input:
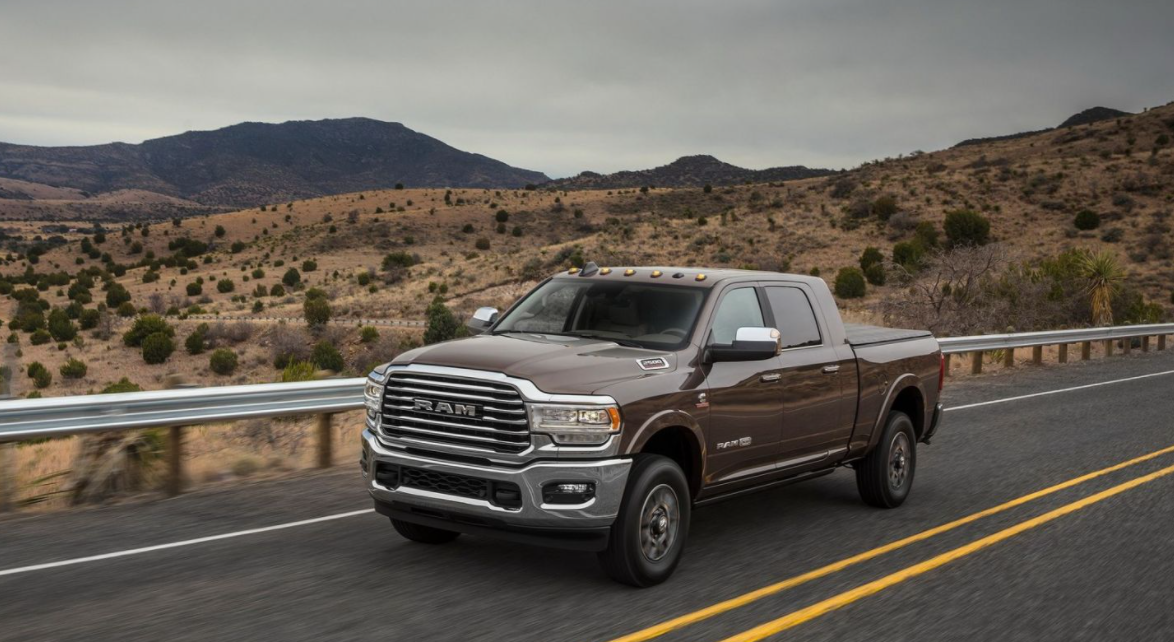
(482, 319)
(750, 344)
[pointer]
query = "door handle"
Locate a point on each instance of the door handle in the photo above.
(831, 369)
(769, 377)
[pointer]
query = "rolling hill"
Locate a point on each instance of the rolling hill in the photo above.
(687, 171)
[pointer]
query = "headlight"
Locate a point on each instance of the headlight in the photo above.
(569, 424)
(373, 397)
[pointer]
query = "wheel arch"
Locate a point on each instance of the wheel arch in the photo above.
(675, 435)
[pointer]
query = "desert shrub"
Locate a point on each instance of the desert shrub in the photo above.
(197, 340)
(316, 311)
(368, 334)
(194, 289)
(73, 369)
(482, 244)
(88, 319)
(237, 247)
(291, 278)
(34, 369)
(908, 254)
(442, 325)
(297, 371)
(884, 207)
(875, 274)
(327, 357)
(399, 258)
(223, 361)
(127, 309)
(309, 265)
(43, 378)
(157, 348)
(1087, 220)
(116, 295)
(40, 337)
(144, 327)
(363, 278)
(60, 325)
(224, 286)
(870, 256)
(220, 231)
(966, 227)
(849, 283)
(288, 343)
(501, 216)
(926, 234)
(277, 290)
(1113, 235)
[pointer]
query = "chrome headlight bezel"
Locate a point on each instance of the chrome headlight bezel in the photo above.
(373, 397)
(575, 424)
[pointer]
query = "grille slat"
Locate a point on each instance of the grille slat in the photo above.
(442, 409)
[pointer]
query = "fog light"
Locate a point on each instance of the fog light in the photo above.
(568, 493)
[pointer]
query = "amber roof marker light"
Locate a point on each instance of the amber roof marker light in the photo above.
(699, 277)
(605, 271)
(573, 270)
(629, 272)
(656, 273)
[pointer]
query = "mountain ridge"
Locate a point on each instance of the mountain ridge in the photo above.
(687, 171)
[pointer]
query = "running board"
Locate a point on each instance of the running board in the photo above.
(754, 489)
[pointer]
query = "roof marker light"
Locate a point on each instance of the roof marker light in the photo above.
(573, 270)
(700, 277)
(656, 273)
(605, 271)
(629, 272)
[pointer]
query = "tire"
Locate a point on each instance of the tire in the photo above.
(648, 536)
(423, 534)
(885, 476)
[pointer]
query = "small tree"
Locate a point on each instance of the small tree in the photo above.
(157, 348)
(144, 327)
(220, 232)
(1087, 220)
(849, 283)
(60, 326)
(442, 325)
(316, 311)
(966, 227)
(116, 295)
(291, 278)
(223, 361)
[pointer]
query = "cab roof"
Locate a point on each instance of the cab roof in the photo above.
(692, 276)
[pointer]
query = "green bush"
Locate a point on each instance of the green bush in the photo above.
(223, 361)
(884, 207)
(88, 319)
(297, 371)
(1087, 220)
(41, 337)
(327, 357)
(60, 326)
(502, 216)
(875, 274)
(197, 341)
(122, 385)
(277, 290)
(116, 295)
(157, 348)
(966, 227)
(127, 309)
(482, 244)
(442, 325)
(870, 256)
(309, 265)
(43, 378)
(34, 369)
(316, 311)
(291, 278)
(908, 254)
(144, 327)
(849, 283)
(73, 369)
(926, 234)
(224, 286)
(194, 289)
(368, 334)
(399, 259)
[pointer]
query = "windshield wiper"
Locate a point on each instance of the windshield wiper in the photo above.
(602, 337)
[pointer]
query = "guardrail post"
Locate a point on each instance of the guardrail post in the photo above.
(1037, 355)
(1161, 342)
(976, 362)
(1086, 350)
(7, 477)
(1009, 357)
(947, 356)
(1127, 344)
(1063, 353)
(325, 440)
(174, 483)
(1109, 348)
(1145, 344)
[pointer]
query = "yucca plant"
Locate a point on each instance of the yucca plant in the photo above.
(1103, 275)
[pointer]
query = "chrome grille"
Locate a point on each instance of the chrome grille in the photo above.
(455, 410)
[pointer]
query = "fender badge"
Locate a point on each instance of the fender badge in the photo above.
(653, 363)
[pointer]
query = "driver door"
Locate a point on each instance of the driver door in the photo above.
(745, 397)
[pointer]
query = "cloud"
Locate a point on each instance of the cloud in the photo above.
(604, 85)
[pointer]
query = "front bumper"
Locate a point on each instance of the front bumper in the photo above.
(582, 525)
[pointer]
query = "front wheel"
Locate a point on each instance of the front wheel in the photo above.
(648, 536)
(885, 475)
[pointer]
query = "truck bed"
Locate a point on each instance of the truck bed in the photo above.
(862, 335)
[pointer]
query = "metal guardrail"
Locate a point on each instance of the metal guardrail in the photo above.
(406, 323)
(956, 345)
(23, 419)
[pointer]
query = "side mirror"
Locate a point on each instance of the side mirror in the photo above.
(482, 319)
(750, 344)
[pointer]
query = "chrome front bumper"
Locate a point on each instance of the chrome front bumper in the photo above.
(610, 477)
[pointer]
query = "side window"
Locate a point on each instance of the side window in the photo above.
(739, 309)
(793, 317)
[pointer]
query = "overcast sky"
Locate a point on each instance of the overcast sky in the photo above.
(592, 84)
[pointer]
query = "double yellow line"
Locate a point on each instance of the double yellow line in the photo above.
(816, 610)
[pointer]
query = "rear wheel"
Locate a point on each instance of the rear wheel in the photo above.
(885, 476)
(423, 534)
(648, 536)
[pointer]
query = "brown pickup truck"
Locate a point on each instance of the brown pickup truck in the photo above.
(599, 409)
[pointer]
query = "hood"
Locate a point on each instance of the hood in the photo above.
(555, 364)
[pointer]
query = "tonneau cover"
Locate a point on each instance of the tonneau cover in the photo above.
(861, 335)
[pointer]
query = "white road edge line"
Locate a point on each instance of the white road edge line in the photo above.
(186, 542)
(1055, 392)
(327, 518)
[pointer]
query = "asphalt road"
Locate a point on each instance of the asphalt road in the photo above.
(1090, 561)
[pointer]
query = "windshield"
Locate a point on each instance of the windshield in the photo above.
(649, 316)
